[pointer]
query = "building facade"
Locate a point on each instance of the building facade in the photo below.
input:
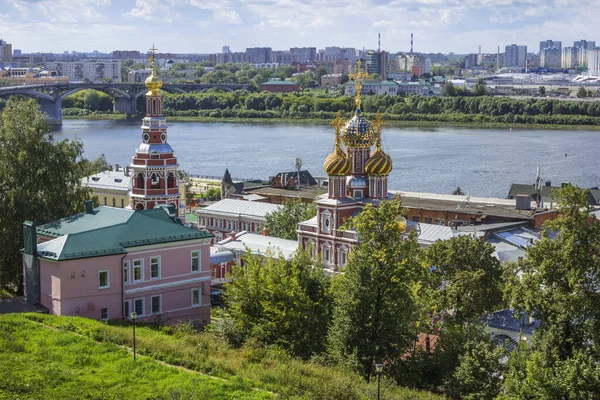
(106, 263)
(277, 86)
(551, 58)
(112, 187)
(230, 215)
(6, 54)
(594, 62)
(516, 56)
(154, 166)
(95, 71)
(570, 57)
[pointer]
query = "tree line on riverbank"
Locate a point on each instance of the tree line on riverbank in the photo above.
(312, 105)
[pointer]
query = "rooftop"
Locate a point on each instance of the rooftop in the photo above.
(306, 193)
(239, 207)
(278, 82)
(108, 231)
(116, 180)
(260, 244)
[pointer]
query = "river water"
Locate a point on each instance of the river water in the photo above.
(483, 162)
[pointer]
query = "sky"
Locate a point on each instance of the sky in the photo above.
(204, 26)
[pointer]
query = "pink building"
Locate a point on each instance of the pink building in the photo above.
(108, 262)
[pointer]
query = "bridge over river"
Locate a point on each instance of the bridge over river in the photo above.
(125, 95)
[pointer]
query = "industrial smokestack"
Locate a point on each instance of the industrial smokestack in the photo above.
(378, 42)
(498, 59)
(411, 43)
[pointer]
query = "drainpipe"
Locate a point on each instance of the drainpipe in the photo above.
(123, 287)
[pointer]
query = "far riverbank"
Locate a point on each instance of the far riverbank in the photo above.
(322, 121)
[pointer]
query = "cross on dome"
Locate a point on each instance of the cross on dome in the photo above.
(359, 79)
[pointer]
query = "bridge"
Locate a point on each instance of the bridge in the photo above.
(125, 95)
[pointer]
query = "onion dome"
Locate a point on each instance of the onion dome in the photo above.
(153, 82)
(358, 132)
(337, 163)
(379, 163)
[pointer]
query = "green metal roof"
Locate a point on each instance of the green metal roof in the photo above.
(91, 238)
(191, 218)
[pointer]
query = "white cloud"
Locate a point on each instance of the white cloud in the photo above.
(383, 22)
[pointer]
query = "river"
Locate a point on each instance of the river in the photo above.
(483, 162)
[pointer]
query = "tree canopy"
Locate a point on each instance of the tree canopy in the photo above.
(40, 179)
(283, 223)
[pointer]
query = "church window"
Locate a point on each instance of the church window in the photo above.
(171, 180)
(139, 181)
(154, 155)
(155, 181)
(153, 106)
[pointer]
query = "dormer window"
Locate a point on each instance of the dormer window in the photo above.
(95, 178)
(154, 155)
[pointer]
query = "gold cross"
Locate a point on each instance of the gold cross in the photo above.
(378, 124)
(358, 78)
(338, 123)
(151, 59)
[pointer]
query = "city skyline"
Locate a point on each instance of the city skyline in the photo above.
(196, 26)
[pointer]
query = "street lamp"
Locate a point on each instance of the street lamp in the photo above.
(379, 369)
(133, 316)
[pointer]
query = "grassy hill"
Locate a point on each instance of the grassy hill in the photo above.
(48, 357)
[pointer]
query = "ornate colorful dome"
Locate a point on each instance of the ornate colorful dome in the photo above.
(337, 163)
(358, 132)
(379, 163)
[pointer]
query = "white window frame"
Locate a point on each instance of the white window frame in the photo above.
(326, 221)
(107, 286)
(158, 258)
(199, 290)
(159, 304)
(214, 272)
(143, 306)
(141, 267)
(107, 314)
(126, 277)
(357, 193)
(440, 221)
(343, 254)
(199, 257)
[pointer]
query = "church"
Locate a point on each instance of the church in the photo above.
(357, 171)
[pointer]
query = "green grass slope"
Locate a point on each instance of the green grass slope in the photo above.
(48, 357)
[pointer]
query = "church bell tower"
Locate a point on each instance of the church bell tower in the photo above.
(155, 179)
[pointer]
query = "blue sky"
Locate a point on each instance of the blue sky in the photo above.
(201, 26)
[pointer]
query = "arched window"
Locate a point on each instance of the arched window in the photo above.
(153, 106)
(171, 180)
(139, 181)
(154, 155)
(139, 206)
(154, 181)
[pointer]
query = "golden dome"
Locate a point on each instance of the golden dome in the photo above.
(379, 163)
(337, 163)
(153, 83)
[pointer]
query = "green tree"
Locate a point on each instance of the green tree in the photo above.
(448, 90)
(479, 371)
(465, 277)
(480, 88)
(582, 93)
(89, 168)
(283, 223)
(558, 283)
(40, 179)
(281, 302)
(542, 90)
(374, 299)
(458, 191)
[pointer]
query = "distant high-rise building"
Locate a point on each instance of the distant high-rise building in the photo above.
(303, 54)
(594, 62)
(17, 53)
(471, 60)
(377, 63)
(516, 56)
(126, 54)
(550, 44)
(570, 57)
(259, 55)
(583, 46)
(551, 54)
(5, 51)
(226, 50)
